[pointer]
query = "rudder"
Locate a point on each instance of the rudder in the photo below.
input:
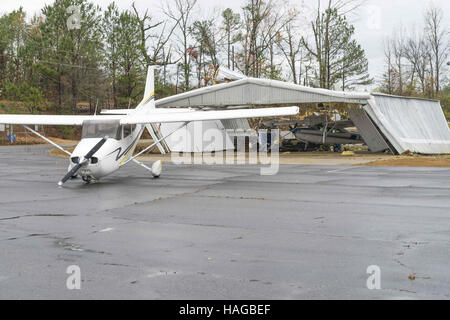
(149, 94)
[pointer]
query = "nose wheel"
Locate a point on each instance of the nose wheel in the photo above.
(87, 179)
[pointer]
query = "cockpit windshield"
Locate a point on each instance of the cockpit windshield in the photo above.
(101, 128)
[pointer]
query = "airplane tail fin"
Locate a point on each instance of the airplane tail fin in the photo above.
(149, 95)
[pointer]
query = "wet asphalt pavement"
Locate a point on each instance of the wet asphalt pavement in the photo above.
(222, 232)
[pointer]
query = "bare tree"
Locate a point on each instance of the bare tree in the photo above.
(345, 7)
(290, 45)
(182, 14)
(263, 22)
(436, 35)
(149, 30)
(272, 31)
(416, 52)
(388, 76)
(398, 48)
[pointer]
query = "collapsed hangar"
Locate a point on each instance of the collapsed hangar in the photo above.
(384, 121)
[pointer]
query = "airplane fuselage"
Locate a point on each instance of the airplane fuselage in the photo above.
(110, 157)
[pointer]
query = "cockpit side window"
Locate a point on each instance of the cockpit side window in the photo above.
(101, 129)
(127, 130)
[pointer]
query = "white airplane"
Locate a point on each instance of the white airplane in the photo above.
(108, 141)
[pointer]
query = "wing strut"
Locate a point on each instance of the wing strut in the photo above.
(156, 142)
(155, 137)
(48, 140)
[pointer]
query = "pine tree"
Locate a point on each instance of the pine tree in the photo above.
(339, 57)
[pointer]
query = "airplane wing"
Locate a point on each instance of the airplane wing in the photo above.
(154, 111)
(51, 120)
(147, 118)
(117, 111)
(195, 115)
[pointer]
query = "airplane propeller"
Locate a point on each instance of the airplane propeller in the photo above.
(87, 157)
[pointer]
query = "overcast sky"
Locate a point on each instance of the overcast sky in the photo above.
(375, 21)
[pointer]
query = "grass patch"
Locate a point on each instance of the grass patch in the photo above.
(412, 161)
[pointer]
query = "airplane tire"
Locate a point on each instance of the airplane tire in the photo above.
(87, 179)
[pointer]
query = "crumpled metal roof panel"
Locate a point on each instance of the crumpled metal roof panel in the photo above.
(413, 124)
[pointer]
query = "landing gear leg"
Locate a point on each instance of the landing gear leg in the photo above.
(155, 170)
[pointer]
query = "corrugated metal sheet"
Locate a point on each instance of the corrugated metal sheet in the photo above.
(370, 134)
(197, 136)
(238, 128)
(236, 124)
(251, 91)
(413, 124)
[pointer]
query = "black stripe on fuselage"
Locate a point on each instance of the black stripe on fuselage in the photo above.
(119, 149)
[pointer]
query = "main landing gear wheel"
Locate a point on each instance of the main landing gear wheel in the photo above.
(156, 169)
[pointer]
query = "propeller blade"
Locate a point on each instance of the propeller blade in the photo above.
(89, 155)
(70, 174)
(95, 148)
